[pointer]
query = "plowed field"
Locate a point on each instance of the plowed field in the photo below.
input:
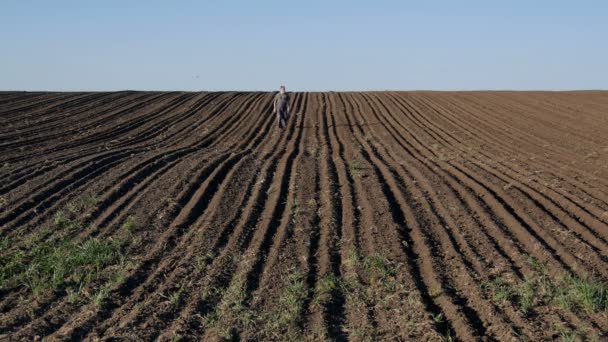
(373, 215)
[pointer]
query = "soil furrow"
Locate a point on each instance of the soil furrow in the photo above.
(139, 293)
(372, 216)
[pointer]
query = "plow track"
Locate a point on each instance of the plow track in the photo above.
(372, 215)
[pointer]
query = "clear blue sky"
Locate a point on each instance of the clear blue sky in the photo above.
(307, 45)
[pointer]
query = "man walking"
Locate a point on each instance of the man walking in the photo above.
(281, 107)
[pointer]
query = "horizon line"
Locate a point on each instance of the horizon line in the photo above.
(303, 91)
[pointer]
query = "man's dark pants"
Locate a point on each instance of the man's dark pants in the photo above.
(282, 116)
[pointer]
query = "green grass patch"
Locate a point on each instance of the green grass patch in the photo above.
(130, 224)
(50, 259)
(176, 296)
(326, 285)
(64, 222)
(379, 267)
(283, 323)
(584, 293)
(82, 204)
(570, 292)
(59, 265)
(232, 311)
(202, 261)
(295, 210)
(5, 243)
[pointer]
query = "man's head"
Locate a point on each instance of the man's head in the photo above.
(282, 89)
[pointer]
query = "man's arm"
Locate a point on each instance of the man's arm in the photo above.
(274, 105)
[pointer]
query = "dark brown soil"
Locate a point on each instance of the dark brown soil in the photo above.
(372, 216)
